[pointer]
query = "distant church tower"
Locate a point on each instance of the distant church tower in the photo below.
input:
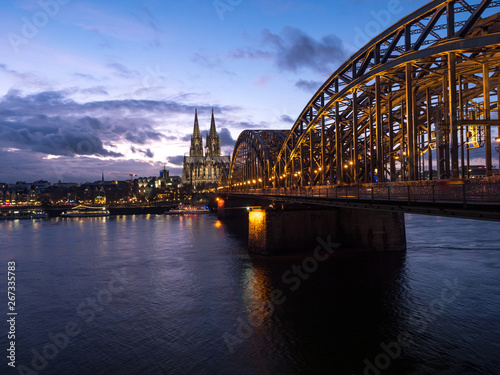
(205, 169)
(213, 141)
(196, 140)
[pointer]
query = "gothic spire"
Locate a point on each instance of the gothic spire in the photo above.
(196, 130)
(213, 141)
(196, 140)
(213, 132)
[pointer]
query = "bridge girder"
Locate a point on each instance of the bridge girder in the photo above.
(253, 158)
(405, 103)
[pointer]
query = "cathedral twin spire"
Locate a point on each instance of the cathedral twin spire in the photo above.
(212, 143)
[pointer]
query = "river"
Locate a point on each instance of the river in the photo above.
(156, 294)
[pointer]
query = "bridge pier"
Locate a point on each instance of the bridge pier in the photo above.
(287, 229)
(284, 232)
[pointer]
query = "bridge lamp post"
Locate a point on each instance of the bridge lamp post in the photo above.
(348, 170)
(497, 139)
(396, 158)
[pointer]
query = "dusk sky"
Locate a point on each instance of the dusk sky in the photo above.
(93, 86)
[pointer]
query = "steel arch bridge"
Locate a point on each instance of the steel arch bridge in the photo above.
(419, 95)
(255, 153)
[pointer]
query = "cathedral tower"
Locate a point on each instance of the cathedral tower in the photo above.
(204, 170)
(196, 140)
(213, 140)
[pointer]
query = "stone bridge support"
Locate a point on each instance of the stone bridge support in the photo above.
(286, 229)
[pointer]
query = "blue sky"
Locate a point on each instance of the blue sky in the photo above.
(92, 86)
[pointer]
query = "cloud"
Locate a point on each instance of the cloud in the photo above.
(52, 125)
(249, 54)
(309, 86)
(122, 71)
(51, 135)
(85, 76)
(288, 119)
(207, 61)
(143, 137)
(60, 103)
(293, 50)
(148, 153)
(28, 166)
(225, 138)
(96, 90)
(212, 62)
(50, 122)
(175, 160)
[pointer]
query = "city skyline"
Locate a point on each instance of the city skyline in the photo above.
(88, 86)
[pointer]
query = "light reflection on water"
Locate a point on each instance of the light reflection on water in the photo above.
(191, 282)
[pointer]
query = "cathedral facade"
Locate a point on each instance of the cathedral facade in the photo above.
(204, 166)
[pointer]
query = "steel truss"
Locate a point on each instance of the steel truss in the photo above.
(253, 158)
(414, 99)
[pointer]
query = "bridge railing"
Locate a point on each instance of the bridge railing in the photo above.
(435, 192)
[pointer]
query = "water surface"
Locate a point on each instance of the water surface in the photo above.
(160, 294)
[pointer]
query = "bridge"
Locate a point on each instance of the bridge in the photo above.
(392, 128)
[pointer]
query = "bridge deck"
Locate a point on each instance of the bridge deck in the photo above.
(464, 200)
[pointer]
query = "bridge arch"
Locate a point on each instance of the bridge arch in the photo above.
(253, 158)
(415, 99)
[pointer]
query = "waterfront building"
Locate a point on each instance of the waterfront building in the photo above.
(204, 168)
(147, 187)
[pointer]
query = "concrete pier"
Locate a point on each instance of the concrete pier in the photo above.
(285, 232)
(290, 229)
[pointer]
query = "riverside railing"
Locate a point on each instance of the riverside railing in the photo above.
(436, 192)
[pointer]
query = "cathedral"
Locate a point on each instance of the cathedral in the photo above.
(205, 169)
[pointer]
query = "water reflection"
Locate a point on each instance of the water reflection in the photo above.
(337, 317)
(192, 281)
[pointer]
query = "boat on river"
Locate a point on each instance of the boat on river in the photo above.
(23, 214)
(86, 211)
(188, 210)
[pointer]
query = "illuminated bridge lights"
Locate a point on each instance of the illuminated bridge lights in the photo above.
(416, 99)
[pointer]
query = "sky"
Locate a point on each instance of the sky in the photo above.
(91, 87)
